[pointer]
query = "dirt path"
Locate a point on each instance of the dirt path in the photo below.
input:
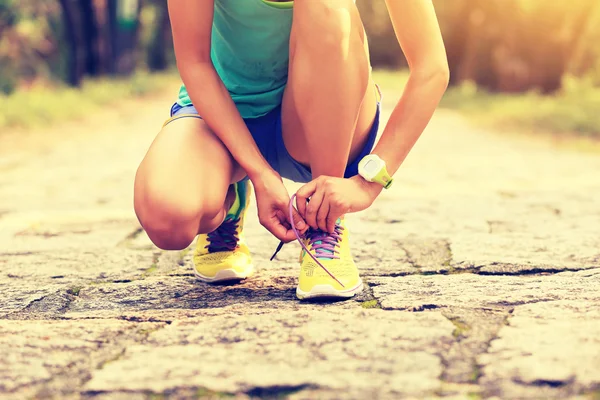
(482, 264)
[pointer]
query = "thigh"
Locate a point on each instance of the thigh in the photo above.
(293, 130)
(293, 126)
(185, 173)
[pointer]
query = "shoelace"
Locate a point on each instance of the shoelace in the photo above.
(224, 238)
(324, 244)
(325, 249)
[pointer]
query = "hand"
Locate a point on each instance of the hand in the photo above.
(330, 198)
(272, 200)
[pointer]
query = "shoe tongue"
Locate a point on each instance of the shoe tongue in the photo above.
(324, 253)
(239, 202)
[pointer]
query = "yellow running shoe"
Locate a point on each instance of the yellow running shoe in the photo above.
(222, 255)
(333, 252)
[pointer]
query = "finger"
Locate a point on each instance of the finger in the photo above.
(297, 220)
(282, 218)
(302, 196)
(313, 208)
(287, 233)
(331, 221)
(335, 212)
(322, 215)
(274, 225)
(281, 232)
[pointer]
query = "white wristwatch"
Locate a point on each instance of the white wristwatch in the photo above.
(372, 169)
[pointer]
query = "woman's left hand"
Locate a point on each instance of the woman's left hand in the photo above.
(330, 198)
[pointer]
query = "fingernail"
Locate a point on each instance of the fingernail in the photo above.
(300, 225)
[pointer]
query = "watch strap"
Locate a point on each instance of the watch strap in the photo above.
(383, 178)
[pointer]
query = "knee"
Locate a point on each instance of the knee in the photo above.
(333, 23)
(170, 223)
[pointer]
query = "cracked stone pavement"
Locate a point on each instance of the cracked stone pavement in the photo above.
(482, 267)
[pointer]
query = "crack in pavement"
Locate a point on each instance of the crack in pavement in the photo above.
(130, 238)
(474, 332)
(120, 347)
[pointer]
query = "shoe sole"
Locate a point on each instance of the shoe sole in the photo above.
(226, 275)
(328, 292)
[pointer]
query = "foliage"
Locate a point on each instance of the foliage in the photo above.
(505, 45)
(66, 40)
(28, 49)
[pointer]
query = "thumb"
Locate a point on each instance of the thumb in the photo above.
(297, 219)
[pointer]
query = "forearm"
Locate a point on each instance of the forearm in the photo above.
(421, 97)
(213, 102)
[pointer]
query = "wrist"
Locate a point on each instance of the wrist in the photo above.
(372, 188)
(257, 172)
(261, 177)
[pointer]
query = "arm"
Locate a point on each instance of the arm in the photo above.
(418, 33)
(191, 22)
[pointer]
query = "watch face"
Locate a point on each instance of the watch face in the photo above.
(372, 167)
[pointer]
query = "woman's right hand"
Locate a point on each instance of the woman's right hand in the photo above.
(272, 200)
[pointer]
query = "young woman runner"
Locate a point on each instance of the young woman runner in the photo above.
(278, 89)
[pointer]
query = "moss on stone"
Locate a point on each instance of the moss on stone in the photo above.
(370, 304)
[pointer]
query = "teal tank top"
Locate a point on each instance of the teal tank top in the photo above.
(250, 51)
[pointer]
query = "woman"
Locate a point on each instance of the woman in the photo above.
(281, 89)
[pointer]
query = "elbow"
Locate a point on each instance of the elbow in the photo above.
(433, 74)
(443, 75)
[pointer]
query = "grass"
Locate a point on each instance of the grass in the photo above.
(74, 291)
(461, 327)
(573, 112)
(41, 105)
(370, 304)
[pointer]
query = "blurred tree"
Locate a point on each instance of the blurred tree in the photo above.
(160, 48)
(8, 19)
(70, 13)
(90, 37)
(383, 45)
(502, 45)
(123, 22)
(8, 15)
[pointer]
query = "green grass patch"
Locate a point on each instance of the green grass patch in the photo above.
(46, 104)
(151, 270)
(203, 393)
(475, 373)
(474, 396)
(461, 327)
(370, 304)
(390, 81)
(74, 291)
(573, 111)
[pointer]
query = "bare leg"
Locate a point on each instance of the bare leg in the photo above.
(330, 101)
(181, 187)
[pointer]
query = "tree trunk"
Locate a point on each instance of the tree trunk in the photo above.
(456, 38)
(123, 19)
(90, 37)
(74, 70)
(158, 59)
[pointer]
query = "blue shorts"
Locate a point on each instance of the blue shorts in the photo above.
(267, 133)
